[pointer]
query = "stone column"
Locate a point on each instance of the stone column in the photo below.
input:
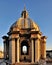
(43, 47)
(18, 50)
(12, 50)
(5, 50)
(32, 51)
(37, 50)
(44, 51)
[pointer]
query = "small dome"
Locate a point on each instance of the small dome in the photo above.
(25, 22)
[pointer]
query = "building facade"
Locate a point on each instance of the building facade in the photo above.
(24, 44)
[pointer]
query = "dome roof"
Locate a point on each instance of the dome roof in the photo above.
(25, 22)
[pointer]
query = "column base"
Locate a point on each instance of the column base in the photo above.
(24, 64)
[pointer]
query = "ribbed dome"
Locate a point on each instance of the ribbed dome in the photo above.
(25, 22)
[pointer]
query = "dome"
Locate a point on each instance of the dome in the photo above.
(24, 22)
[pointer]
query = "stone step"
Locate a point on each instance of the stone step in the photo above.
(26, 64)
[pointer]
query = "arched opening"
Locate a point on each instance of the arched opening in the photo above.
(24, 47)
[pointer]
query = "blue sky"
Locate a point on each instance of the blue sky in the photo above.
(39, 10)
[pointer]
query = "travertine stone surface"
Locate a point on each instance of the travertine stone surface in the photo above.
(24, 32)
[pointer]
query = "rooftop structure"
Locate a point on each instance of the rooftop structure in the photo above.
(24, 44)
